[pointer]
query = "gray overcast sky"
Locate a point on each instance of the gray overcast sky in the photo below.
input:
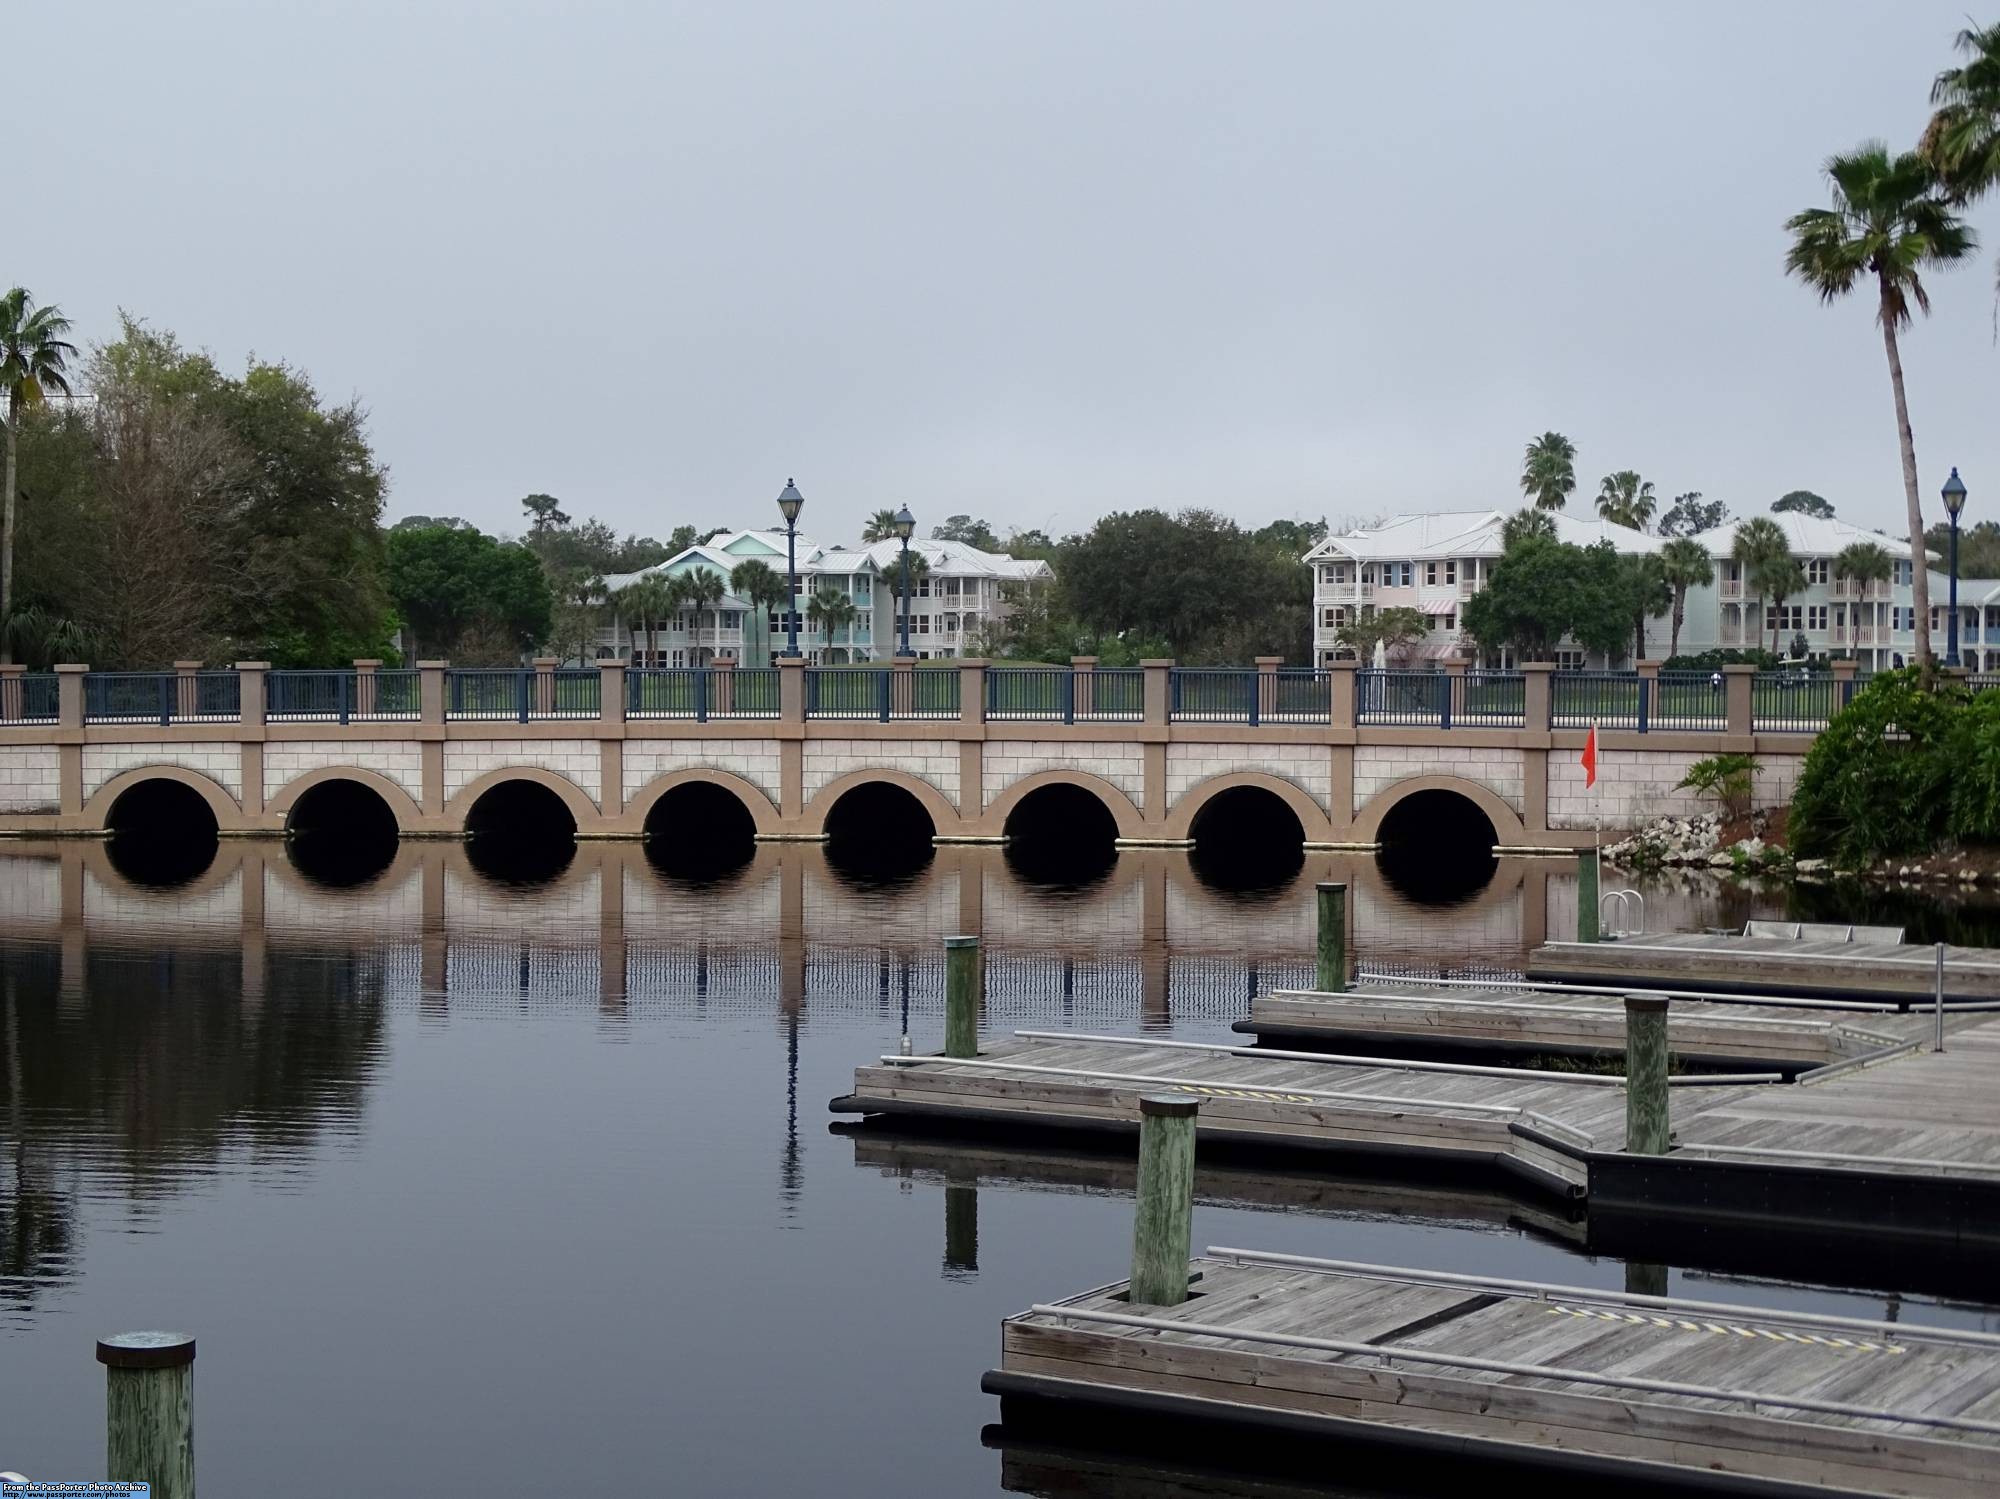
(1034, 261)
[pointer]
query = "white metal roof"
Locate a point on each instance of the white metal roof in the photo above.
(1808, 536)
(1467, 533)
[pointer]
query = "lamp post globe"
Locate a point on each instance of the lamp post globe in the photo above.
(1954, 502)
(906, 523)
(790, 502)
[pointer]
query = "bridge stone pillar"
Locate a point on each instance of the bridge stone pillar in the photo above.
(1738, 682)
(252, 681)
(1267, 684)
(366, 687)
(1083, 684)
(252, 699)
(13, 691)
(431, 700)
(971, 744)
(1153, 736)
(69, 737)
(545, 684)
(1535, 750)
(791, 739)
(187, 691)
(722, 685)
(611, 734)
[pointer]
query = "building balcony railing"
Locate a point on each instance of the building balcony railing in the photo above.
(1730, 589)
(1345, 593)
(1851, 590)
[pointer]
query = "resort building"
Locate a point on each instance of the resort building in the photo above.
(1436, 563)
(846, 608)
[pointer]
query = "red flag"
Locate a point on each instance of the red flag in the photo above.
(1589, 759)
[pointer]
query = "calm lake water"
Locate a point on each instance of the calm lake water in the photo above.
(474, 1177)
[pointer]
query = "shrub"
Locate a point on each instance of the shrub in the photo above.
(1880, 778)
(1711, 661)
(1727, 778)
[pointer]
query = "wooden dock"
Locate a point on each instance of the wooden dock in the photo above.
(1822, 968)
(1584, 1383)
(1536, 1125)
(1499, 1024)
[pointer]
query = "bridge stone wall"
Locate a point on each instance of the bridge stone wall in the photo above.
(1339, 776)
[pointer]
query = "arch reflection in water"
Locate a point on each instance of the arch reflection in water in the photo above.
(520, 833)
(162, 833)
(699, 831)
(879, 831)
(1437, 848)
(341, 832)
(1247, 842)
(1062, 837)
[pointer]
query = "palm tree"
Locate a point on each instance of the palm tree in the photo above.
(1685, 564)
(700, 588)
(1625, 499)
(1548, 471)
(650, 599)
(758, 583)
(33, 361)
(1648, 591)
(1864, 562)
(892, 575)
(1887, 222)
(1759, 550)
(1524, 523)
(829, 610)
(881, 526)
(1779, 578)
(1962, 141)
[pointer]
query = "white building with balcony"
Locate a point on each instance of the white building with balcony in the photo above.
(956, 607)
(1436, 563)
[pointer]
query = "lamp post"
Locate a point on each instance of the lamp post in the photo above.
(905, 524)
(1954, 501)
(789, 504)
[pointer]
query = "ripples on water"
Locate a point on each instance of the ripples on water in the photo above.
(478, 1173)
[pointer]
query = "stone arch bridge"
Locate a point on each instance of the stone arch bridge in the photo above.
(970, 743)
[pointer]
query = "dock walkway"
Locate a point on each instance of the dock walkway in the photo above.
(1813, 967)
(1535, 1124)
(1516, 1021)
(1537, 1376)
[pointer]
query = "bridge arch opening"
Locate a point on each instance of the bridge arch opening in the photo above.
(162, 833)
(520, 832)
(1437, 847)
(341, 832)
(1061, 834)
(1246, 838)
(878, 828)
(699, 830)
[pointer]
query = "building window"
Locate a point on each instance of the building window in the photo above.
(951, 624)
(1903, 573)
(1568, 660)
(1816, 570)
(1906, 616)
(1430, 572)
(1934, 616)
(1816, 617)
(923, 588)
(1451, 621)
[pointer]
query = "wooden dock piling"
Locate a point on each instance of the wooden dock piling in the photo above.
(149, 1410)
(1586, 896)
(1332, 937)
(962, 983)
(1647, 1125)
(1163, 1223)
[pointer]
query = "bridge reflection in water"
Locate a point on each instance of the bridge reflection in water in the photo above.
(1150, 935)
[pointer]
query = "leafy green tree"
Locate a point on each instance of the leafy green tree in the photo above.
(1548, 471)
(34, 360)
(963, 528)
(545, 514)
(1625, 499)
(1394, 629)
(1978, 548)
(1684, 564)
(1802, 502)
(1888, 224)
(1522, 524)
(1543, 591)
(449, 584)
(425, 522)
(1690, 515)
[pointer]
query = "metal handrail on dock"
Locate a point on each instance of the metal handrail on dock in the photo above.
(1398, 1064)
(1545, 1291)
(1390, 1351)
(1301, 1096)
